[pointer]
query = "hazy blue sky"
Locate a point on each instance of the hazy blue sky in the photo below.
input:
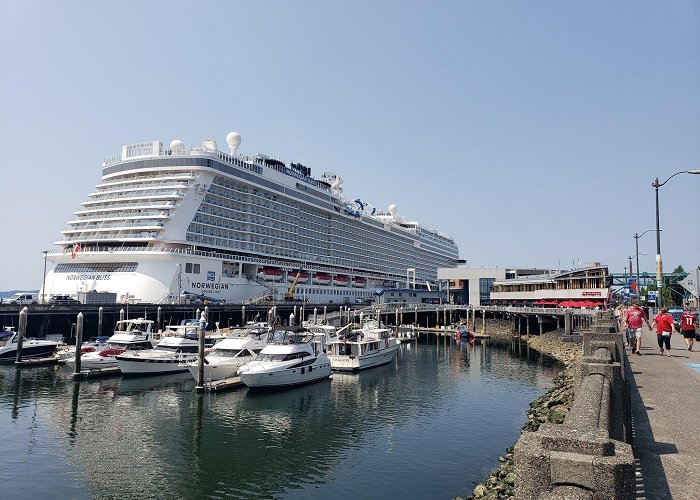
(531, 131)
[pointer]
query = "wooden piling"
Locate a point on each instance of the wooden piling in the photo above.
(21, 331)
(78, 342)
(200, 365)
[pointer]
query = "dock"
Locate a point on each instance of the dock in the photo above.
(450, 332)
(223, 384)
(50, 360)
(97, 373)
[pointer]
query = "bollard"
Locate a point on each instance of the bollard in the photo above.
(121, 318)
(158, 325)
(206, 314)
(242, 315)
(269, 316)
(324, 314)
(315, 315)
(21, 331)
(78, 342)
(100, 317)
(200, 361)
(291, 319)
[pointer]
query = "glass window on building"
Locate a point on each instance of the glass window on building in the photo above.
(485, 287)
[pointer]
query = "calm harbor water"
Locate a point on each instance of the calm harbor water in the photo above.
(428, 425)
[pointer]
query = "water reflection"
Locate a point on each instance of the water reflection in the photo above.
(438, 401)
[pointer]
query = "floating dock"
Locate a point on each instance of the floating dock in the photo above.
(100, 372)
(223, 384)
(50, 360)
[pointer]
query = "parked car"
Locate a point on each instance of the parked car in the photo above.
(63, 299)
(22, 298)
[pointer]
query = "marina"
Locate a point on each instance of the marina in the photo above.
(416, 406)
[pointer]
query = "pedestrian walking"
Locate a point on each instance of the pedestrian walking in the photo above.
(688, 324)
(634, 318)
(664, 327)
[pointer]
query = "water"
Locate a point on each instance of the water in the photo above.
(427, 426)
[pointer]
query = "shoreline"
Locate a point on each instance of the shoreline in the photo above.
(552, 406)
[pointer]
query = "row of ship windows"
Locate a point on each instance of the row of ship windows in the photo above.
(397, 265)
(102, 267)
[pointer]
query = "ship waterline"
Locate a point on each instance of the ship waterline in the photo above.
(164, 221)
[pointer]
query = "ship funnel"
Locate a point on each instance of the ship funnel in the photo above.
(233, 140)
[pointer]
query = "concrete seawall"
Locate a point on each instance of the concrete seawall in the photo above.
(576, 442)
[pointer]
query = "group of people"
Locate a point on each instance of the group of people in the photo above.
(633, 318)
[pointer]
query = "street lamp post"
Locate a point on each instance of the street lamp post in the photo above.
(636, 247)
(659, 266)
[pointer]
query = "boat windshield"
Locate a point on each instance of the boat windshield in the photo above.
(281, 357)
(230, 353)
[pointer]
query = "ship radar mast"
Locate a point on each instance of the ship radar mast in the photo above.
(233, 140)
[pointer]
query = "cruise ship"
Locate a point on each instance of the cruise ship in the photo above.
(167, 222)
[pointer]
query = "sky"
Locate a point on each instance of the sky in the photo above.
(530, 131)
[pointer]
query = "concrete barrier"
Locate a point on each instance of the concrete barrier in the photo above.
(589, 455)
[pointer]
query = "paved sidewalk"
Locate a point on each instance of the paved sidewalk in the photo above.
(666, 413)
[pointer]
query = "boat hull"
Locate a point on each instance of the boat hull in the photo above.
(287, 377)
(145, 366)
(357, 363)
(29, 350)
(217, 370)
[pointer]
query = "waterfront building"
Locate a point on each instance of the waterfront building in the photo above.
(590, 283)
(167, 222)
(473, 285)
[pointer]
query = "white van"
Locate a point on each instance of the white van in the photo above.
(22, 298)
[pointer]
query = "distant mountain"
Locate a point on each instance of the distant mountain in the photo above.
(10, 293)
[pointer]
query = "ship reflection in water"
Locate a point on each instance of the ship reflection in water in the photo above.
(440, 410)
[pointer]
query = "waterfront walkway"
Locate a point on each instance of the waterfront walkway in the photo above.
(666, 412)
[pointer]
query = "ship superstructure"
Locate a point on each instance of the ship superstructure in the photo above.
(165, 221)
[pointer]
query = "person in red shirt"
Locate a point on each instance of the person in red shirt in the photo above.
(664, 327)
(688, 323)
(634, 317)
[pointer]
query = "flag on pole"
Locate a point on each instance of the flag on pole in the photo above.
(76, 249)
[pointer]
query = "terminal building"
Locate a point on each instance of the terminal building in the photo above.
(511, 286)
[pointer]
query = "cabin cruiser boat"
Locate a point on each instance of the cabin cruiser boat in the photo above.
(178, 344)
(293, 356)
(361, 348)
(240, 346)
(130, 334)
(31, 348)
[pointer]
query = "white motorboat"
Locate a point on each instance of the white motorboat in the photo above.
(66, 352)
(240, 346)
(293, 356)
(130, 334)
(31, 348)
(178, 345)
(362, 348)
